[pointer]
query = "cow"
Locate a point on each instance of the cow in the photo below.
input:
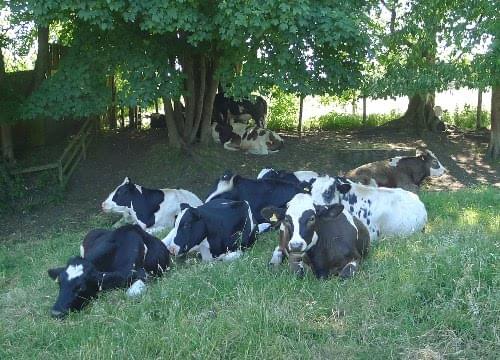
(151, 209)
(402, 172)
(295, 177)
(219, 229)
(258, 193)
(331, 240)
(109, 259)
(252, 139)
(227, 110)
(384, 211)
(158, 121)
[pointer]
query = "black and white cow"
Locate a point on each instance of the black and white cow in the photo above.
(331, 240)
(252, 139)
(403, 172)
(295, 177)
(219, 229)
(109, 259)
(259, 193)
(227, 110)
(384, 211)
(151, 209)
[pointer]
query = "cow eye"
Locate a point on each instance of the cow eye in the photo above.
(311, 219)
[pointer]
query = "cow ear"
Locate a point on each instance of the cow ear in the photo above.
(184, 206)
(329, 210)
(343, 188)
(127, 180)
(273, 214)
(54, 273)
(195, 213)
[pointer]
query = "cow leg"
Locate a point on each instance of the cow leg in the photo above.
(228, 145)
(349, 270)
(277, 257)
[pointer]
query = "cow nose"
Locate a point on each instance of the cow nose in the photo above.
(172, 249)
(295, 246)
(57, 314)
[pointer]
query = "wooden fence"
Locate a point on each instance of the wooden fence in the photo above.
(71, 156)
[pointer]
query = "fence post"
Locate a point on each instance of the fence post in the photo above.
(301, 110)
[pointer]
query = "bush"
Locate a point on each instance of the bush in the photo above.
(339, 121)
(283, 111)
(466, 118)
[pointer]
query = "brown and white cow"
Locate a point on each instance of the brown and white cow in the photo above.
(399, 172)
(252, 139)
(328, 237)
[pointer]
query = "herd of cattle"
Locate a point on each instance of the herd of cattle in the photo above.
(324, 222)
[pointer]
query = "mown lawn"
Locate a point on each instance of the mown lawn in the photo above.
(431, 295)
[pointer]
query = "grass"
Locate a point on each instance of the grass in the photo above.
(431, 295)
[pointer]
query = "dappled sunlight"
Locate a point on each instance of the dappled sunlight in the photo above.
(470, 217)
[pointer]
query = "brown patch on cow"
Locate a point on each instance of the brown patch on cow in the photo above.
(262, 132)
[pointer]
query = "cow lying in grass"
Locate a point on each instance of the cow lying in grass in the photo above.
(109, 259)
(152, 210)
(252, 139)
(258, 193)
(399, 172)
(383, 211)
(294, 177)
(219, 229)
(333, 241)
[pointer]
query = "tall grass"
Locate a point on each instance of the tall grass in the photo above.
(340, 121)
(430, 295)
(466, 118)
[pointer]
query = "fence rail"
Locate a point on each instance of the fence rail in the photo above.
(71, 156)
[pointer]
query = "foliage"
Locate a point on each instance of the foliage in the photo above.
(340, 121)
(306, 47)
(434, 45)
(283, 111)
(430, 294)
(466, 117)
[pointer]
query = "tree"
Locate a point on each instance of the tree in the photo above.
(182, 50)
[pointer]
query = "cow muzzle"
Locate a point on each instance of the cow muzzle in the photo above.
(297, 246)
(173, 249)
(56, 314)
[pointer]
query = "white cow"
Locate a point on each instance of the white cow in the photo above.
(384, 211)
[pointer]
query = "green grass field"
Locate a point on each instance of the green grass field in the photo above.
(432, 295)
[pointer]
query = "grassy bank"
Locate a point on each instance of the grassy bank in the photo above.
(428, 295)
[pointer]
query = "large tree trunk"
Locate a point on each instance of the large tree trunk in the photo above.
(174, 138)
(42, 57)
(212, 81)
(493, 151)
(5, 129)
(420, 113)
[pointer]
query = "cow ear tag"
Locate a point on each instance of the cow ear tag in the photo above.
(273, 218)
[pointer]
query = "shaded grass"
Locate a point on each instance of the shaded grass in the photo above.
(434, 294)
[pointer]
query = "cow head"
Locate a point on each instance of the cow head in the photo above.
(298, 221)
(120, 199)
(224, 185)
(78, 283)
(189, 231)
(432, 164)
(326, 190)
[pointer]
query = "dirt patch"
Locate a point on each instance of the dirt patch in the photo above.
(144, 156)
